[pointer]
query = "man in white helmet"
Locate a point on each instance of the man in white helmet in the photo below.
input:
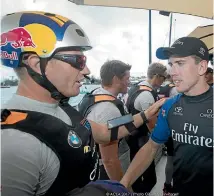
(47, 146)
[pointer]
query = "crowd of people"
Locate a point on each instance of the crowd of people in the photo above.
(105, 144)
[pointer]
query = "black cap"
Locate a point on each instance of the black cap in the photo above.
(183, 47)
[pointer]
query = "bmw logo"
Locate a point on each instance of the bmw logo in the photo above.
(74, 140)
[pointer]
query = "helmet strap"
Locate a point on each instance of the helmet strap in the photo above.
(43, 81)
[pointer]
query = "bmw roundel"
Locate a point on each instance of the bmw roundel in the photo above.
(74, 140)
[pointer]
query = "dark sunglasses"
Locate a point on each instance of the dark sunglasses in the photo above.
(75, 60)
(164, 77)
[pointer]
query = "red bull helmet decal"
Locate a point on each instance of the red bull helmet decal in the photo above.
(38, 32)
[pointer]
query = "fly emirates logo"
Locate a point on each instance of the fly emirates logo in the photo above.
(190, 136)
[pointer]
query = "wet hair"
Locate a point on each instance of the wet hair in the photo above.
(113, 68)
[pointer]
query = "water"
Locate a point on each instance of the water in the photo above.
(7, 93)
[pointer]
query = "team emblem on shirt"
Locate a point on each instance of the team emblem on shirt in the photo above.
(86, 124)
(74, 140)
(87, 149)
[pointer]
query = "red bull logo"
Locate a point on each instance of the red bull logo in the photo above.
(6, 55)
(17, 38)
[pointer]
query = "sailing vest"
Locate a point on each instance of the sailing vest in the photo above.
(90, 100)
(137, 140)
(73, 145)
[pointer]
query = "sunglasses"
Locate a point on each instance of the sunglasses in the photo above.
(76, 61)
(164, 77)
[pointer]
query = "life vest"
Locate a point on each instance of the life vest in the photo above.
(73, 145)
(134, 92)
(164, 91)
(140, 137)
(91, 99)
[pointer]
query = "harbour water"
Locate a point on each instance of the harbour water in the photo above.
(7, 93)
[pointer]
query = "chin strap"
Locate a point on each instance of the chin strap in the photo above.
(44, 82)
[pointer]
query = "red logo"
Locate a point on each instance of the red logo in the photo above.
(6, 55)
(17, 38)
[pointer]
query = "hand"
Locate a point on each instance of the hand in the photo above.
(153, 110)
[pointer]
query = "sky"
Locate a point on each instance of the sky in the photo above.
(115, 33)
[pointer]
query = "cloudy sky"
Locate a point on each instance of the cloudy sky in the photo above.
(115, 33)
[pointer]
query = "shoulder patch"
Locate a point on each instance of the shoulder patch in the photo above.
(145, 88)
(103, 98)
(74, 140)
(86, 124)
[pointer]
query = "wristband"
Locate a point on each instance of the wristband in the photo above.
(143, 116)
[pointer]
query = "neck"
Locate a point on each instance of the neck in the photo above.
(112, 90)
(198, 89)
(32, 90)
(151, 82)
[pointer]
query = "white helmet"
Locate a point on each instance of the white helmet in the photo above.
(42, 33)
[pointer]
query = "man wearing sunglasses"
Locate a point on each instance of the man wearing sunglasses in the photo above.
(48, 148)
(140, 98)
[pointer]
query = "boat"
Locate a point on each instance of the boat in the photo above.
(3, 86)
